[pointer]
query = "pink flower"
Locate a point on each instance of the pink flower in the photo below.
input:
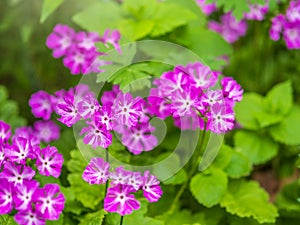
(231, 89)
(158, 106)
(118, 199)
(293, 11)
(207, 9)
(60, 40)
(277, 27)
(46, 131)
(127, 109)
(49, 201)
(88, 106)
(113, 38)
(29, 217)
(68, 110)
(16, 174)
(220, 118)
(6, 196)
(96, 135)
(257, 12)
(5, 132)
(49, 161)
(24, 193)
(87, 40)
(20, 150)
(97, 171)
(139, 138)
(291, 35)
(3, 150)
(151, 189)
(108, 97)
(212, 96)
(41, 104)
(28, 133)
(104, 117)
(119, 176)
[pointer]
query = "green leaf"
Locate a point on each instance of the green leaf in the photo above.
(238, 166)
(49, 6)
(209, 216)
(235, 220)
(135, 30)
(89, 195)
(248, 199)
(279, 100)
(209, 187)
(287, 132)
(256, 148)
(7, 220)
(60, 221)
(95, 218)
(247, 110)
(223, 157)
(179, 178)
(77, 163)
(99, 16)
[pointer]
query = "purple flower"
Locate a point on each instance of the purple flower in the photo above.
(68, 110)
(127, 109)
(108, 97)
(139, 138)
(119, 176)
(87, 40)
(5, 132)
(41, 104)
(207, 9)
(158, 106)
(61, 40)
(88, 106)
(201, 75)
(120, 200)
(231, 89)
(277, 27)
(97, 171)
(291, 35)
(46, 130)
(24, 193)
(3, 150)
(104, 117)
(20, 150)
(16, 174)
(293, 12)
(49, 201)
(49, 161)
(113, 38)
(220, 118)
(28, 133)
(6, 196)
(29, 217)
(257, 12)
(151, 189)
(212, 96)
(96, 135)
(230, 28)
(136, 180)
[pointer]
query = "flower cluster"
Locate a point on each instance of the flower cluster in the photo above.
(122, 186)
(79, 49)
(288, 25)
(187, 94)
(207, 9)
(18, 189)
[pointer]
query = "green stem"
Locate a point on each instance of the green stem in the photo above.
(121, 220)
(107, 160)
(195, 159)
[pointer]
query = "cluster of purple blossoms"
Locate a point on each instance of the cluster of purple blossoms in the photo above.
(206, 8)
(288, 25)
(18, 189)
(79, 49)
(188, 94)
(122, 186)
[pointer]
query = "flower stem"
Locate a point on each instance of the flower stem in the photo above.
(121, 220)
(194, 164)
(107, 160)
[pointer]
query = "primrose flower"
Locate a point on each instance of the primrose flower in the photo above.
(257, 12)
(20, 150)
(87, 40)
(6, 196)
(113, 38)
(88, 106)
(24, 193)
(5, 132)
(46, 131)
(41, 104)
(29, 217)
(97, 172)
(207, 9)
(151, 189)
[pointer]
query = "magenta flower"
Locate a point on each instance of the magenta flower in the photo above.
(211, 97)
(49, 201)
(113, 38)
(97, 171)
(5, 132)
(16, 174)
(29, 217)
(23, 195)
(3, 150)
(139, 138)
(230, 28)
(220, 118)
(61, 40)
(158, 106)
(46, 131)
(88, 106)
(151, 189)
(20, 150)
(118, 199)
(119, 176)
(49, 161)
(68, 110)
(87, 40)
(291, 35)
(27, 133)
(293, 11)
(96, 135)
(136, 180)
(207, 9)
(257, 12)
(277, 27)
(104, 117)
(109, 97)
(202, 76)
(41, 104)
(127, 109)
(231, 89)
(6, 196)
